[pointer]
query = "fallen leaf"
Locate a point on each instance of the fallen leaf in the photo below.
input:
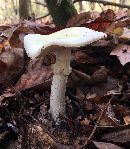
(118, 31)
(82, 57)
(79, 19)
(9, 32)
(118, 137)
(43, 137)
(125, 34)
(104, 145)
(100, 75)
(122, 51)
(36, 74)
(102, 88)
(101, 23)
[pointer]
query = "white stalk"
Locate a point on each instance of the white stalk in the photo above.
(61, 71)
(57, 99)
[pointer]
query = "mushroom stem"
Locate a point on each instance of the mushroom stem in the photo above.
(61, 70)
(57, 99)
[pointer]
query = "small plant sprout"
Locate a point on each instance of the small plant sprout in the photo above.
(60, 43)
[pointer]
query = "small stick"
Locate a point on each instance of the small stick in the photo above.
(98, 121)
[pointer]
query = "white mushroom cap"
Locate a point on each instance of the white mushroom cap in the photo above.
(73, 37)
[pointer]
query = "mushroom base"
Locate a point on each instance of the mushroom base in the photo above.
(57, 99)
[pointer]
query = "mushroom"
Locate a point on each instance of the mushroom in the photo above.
(60, 42)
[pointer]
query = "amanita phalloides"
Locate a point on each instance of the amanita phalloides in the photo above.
(61, 43)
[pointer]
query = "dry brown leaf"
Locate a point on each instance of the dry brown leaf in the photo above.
(122, 51)
(100, 75)
(118, 137)
(43, 137)
(126, 34)
(79, 19)
(3, 28)
(36, 74)
(103, 88)
(82, 57)
(9, 32)
(104, 145)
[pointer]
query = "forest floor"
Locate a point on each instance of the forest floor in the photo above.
(97, 96)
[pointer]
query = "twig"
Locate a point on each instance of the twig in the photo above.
(39, 3)
(105, 3)
(43, 16)
(98, 121)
